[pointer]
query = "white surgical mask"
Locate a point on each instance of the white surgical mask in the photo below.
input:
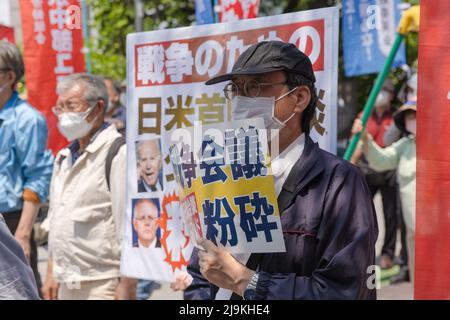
(73, 125)
(382, 99)
(259, 107)
(410, 125)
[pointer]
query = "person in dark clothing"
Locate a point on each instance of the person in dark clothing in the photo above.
(326, 209)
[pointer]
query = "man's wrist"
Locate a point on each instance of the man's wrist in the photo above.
(244, 280)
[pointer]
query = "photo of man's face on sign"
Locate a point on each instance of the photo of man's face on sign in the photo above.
(149, 165)
(145, 229)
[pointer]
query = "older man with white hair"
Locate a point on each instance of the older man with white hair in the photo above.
(86, 198)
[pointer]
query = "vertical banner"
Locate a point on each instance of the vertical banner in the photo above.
(233, 10)
(52, 38)
(369, 28)
(166, 72)
(432, 268)
(204, 12)
(7, 33)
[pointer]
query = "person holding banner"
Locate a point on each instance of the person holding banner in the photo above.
(383, 182)
(25, 161)
(86, 198)
(401, 156)
(327, 214)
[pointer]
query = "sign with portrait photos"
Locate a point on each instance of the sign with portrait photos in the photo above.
(166, 91)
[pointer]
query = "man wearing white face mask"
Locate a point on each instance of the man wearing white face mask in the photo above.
(327, 215)
(401, 156)
(86, 198)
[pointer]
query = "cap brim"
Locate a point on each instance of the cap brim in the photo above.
(229, 76)
(399, 116)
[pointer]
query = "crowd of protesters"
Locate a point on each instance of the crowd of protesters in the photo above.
(91, 115)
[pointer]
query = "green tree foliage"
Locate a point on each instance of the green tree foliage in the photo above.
(112, 20)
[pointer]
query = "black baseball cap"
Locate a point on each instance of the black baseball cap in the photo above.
(268, 56)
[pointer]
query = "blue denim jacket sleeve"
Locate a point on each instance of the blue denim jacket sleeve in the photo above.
(31, 148)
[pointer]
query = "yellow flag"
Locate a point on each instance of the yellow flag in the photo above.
(410, 20)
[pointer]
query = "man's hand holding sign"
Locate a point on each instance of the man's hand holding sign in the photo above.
(220, 268)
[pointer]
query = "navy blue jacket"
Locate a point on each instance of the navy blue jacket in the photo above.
(330, 229)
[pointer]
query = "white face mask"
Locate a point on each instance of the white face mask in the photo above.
(382, 99)
(73, 125)
(260, 107)
(410, 125)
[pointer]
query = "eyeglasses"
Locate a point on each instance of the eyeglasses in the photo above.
(69, 107)
(251, 88)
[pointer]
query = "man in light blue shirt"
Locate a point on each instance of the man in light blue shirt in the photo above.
(25, 163)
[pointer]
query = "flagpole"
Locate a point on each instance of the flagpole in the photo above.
(409, 22)
(87, 54)
(216, 11)
(374, 93)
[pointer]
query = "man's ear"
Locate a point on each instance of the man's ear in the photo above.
(100, 106)
(303, 97)
(11, 77)
(98, 110)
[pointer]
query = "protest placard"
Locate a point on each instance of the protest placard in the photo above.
(166, 71)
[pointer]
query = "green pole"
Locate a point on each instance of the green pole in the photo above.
(216, 10)
(374, 93)
(87, 55)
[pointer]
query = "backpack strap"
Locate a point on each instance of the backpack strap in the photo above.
(112, 152)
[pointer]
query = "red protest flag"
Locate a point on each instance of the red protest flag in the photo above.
(7, 33)
(53, 43)
(237, 10)
(432, 254)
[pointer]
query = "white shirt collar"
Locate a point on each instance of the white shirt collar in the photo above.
(283, 163)
(148, 189)
(152, 245)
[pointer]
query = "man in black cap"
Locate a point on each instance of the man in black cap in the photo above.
(327, 214)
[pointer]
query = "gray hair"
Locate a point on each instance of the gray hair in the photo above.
(11, 59)
(116, 84)
(95, 88)
(140, 143)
